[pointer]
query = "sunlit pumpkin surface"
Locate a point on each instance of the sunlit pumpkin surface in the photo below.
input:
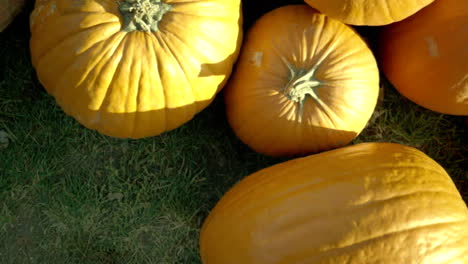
(134, 68)
(369, 12)
(8, 10)
(367, 203)
(426, 56)
(303, 83)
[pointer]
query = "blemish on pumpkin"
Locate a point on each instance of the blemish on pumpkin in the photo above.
(463, 80)
(52, 9)
(432, 46)
(256, 59)
(34, 14)
(96, 118)
(461, 93)
(461, 97)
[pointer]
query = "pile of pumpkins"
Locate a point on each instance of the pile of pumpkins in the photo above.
(303, 82)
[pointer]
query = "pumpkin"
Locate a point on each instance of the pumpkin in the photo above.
(426, 56)
(134, 68)
(8, 10)
(366, 203)
(303, 83)
(369, 12)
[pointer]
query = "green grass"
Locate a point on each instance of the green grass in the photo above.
(71, 195)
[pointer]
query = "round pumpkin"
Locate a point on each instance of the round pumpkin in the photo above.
(8, 10)
(426, 56)
(303, 83)
(369, 12)
(134, 68)
(367, 203)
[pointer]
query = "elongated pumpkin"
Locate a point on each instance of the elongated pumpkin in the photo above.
(367, 203)
(426, 56)
(369, 12)
(303, 83)
(134, 68)
(8, 11)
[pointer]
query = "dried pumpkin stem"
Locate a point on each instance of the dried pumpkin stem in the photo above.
(142, 15)
(301, 83)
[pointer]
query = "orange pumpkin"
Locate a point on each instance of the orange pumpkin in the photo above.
(426, 56)
(8, 10)
(369, 12)
(303, 83)
(134, 68)
(367, 203)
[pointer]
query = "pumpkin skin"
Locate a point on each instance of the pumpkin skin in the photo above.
(267, 105)
(368, 12)
(111, 75)
(367, 203)
(8, 10)
(426, 57)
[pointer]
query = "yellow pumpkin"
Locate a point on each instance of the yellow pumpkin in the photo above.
(8, 10)
(134, 68)
(369, 12)
(304, 83)
(426, 56)
(367, 203)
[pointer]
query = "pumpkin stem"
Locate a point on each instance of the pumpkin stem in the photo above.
(301, 83)
(142, 15)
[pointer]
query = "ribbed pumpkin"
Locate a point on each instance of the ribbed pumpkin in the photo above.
(426, 56)
(134, 68)
(367, 203)
(8, 10)
(369, 12)
(303, 83)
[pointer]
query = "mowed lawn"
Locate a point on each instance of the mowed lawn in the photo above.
(71, 195)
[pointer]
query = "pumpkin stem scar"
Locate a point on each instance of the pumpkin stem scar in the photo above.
(301, 83)
(142, 15)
